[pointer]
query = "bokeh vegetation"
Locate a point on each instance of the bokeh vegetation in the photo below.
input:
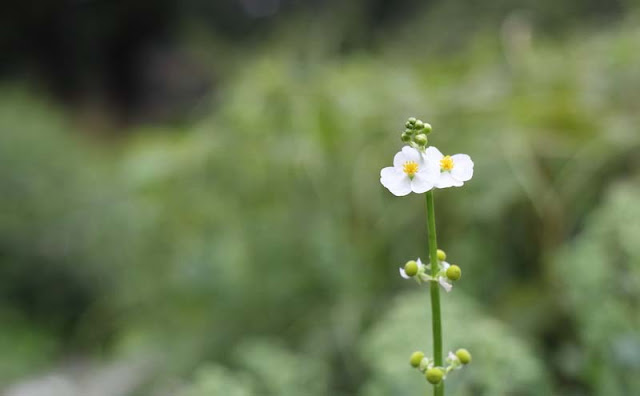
(253, 251)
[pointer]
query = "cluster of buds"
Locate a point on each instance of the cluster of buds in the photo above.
(434, 374)
(416, 133)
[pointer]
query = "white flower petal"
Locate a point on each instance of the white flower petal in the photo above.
(406, 154)
(446, 180)
(422, 182)
(444, 265)
(462, 167)
(445, 285)
(399, 159)
(402, 188)
(403, 274)
(411, 154)
(432, 154)
(395, 181)
(432, 169)
(420, 264)
(425, 363)
(390, 176)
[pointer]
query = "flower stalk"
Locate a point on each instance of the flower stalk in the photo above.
(436, 318)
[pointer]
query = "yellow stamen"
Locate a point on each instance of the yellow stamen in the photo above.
(446, 164)
(410, 168)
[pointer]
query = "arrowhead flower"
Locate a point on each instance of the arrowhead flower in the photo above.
(418, 168)
(454, 169)
(411, 171)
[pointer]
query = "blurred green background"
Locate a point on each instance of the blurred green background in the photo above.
(190, 201)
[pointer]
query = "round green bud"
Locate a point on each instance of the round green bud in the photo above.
(421, 139)
(411, 268)
(464, 356)
(454, 272)
(405, 137)
(426, 128)
(434, 375)
(441, 255)
(411, 121)
(419, 125)
(409, 131)
(416, 358)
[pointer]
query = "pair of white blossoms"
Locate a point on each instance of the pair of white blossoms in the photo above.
(419, 172)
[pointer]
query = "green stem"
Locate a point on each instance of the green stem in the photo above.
(434, 290)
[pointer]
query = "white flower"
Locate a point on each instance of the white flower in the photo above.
(454, 170)
(411, 171)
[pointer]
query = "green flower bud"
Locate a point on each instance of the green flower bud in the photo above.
(416, 358)
(411, 268)
(434, 375)
(419, 125)
(405, 137)
(454, 272)
(464, 356)
(409, 131)
(421, 139)
(411, 121)
(426, 129)
(442, 255)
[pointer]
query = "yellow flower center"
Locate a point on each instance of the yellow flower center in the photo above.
(446, 164)
(410, 168)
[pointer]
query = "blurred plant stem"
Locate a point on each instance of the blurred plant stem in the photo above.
(438, 390)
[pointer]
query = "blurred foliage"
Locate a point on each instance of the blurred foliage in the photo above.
(254, 251)
(600, 270)
(216, 380)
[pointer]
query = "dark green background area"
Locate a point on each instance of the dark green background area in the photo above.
(190, 201)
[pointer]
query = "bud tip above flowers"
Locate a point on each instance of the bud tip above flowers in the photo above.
(441, 255)
(421, 139)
